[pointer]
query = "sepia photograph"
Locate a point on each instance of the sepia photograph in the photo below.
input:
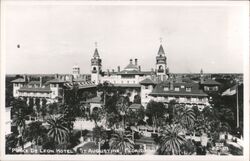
(136, 78)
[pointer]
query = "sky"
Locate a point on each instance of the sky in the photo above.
(53, 38)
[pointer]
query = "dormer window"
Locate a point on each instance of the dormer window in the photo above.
(188, 89)
(176, 89)
(166, 88)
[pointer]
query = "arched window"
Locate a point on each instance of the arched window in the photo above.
(160, 69)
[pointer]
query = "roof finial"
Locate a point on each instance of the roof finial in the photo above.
(95, 44)
(161, 40)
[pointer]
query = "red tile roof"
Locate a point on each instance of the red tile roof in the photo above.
(195, 90)
(19, 80)
(210, 82)
(56, 81)
(94, 100)
(27, 89)
(147, 81)
(127, 85)
(34, 82)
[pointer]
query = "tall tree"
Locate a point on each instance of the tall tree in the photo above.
(171, 140)
(156, 112)
(185, 116)
(57, 130)
(123, 141)
(20, 113)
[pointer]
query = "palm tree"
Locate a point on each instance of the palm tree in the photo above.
(57, 130)
(122, 141)
(19, 121)
(185, 116)
(123, 108)
(171, 140)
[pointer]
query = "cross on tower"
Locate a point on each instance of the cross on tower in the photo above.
(96, 44)
(160, 39)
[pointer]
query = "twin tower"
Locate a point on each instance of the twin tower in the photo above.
(161, 69)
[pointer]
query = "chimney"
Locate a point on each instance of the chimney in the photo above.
(135, 61)
(108, 72)
(71, 78)
(139, 68)
(41, 81)
(131, 61)
(171, 83)
(25, 78)
(113, 70)
(118, 68)
(28, 78)
(56, 76)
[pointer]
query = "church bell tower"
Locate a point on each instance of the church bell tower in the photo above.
(96, 67)
(161, 64)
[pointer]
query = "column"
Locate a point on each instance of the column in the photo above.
(41, 102)
(28, 101)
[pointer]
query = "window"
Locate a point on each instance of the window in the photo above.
(54, 92)
(166, 88)
(176, 89)
(188, 89)
(182, 86)
(146, 87)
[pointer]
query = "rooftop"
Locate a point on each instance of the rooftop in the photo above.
(147, 81)
(94, 100)
(210, 82)
(32, 89)
(56, 81)
(127, 85)
(163, 89)
(19, 80)
(34, 83)
(81, 85)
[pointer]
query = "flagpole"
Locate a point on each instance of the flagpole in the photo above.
(237, 100)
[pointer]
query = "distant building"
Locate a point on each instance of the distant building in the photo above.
(52, 90)
(208, 85)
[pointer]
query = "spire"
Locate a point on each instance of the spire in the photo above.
(96, 54)
(161, 51)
